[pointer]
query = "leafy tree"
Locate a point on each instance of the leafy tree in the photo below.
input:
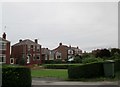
(102, 53)
(86, 55)
(115, 51)
(91, 60)
(78, 59)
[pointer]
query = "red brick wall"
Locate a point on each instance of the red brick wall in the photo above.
(7, 52)
(63, 50)
(18, 50)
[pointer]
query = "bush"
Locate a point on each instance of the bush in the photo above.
(86, 71)
(16, 77)
(57, 61)
(78, 59)
(49, 61)
(117, 65)
(59, 66)
(56, 66)
(91, 60)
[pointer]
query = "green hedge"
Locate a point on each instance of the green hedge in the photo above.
(59, 66)
(86, 71)
(117, 65)
(16, 77)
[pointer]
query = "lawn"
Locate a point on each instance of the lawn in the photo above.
(61, 73)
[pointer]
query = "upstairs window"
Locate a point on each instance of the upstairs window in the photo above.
(3, 58)
(38, 48)
(2, 46)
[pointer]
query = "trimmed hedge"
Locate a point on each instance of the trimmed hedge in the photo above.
(59, 66)
(16, 77)
(86, 71)
(117, 65)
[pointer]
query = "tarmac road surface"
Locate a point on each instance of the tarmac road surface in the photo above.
(48, 82)
(75, 86)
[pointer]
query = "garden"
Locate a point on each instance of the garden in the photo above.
(78, 68)
(88, 67)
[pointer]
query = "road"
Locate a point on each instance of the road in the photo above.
(75, 86)
(57, 83)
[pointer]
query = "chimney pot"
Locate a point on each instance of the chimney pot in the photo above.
(60, 44)
(36, 41)
(20, 40)
(4, 35)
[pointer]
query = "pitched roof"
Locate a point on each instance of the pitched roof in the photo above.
(26, 42)
(60, 46)
(2, 39)
(45, 51)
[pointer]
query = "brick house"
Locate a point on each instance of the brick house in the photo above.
(64, 52)
(45, 54)
(4, 50)
(28, 50)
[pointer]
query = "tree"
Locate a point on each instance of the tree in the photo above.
(115, 51)
(78, 59)
(102, 53)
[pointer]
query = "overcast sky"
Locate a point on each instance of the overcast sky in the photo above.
(89, 25)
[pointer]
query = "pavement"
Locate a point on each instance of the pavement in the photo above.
(53, 82)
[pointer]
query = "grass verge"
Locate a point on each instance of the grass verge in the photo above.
(61, 73)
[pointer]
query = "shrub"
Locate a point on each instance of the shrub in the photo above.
(59, 66)
(91, 60)
(49, 61)
(16, 77)
(56, 66)
(117, 65)
(78, 59)
(86, 71)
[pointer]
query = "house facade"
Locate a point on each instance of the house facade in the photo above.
(45, 54)
(28, 50)
(65, 52)
(4, 50)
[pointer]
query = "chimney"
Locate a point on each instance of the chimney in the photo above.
(4, 35)
(36, 41)
(77, 47)
(60, 44)
(20, 40)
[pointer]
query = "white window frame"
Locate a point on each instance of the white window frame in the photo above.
(58, 54)
(38, 48)
(4, 58)
(70, 51)
(11, 59)
(28, 59)
(3, 44)
(38, 55)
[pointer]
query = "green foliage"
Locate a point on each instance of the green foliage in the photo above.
(85, 71)
(57, 61)
(114, 51)
(16, 77)
(59, 66)
(102, 53)
(78, 59)
(86, 55)
(91, 60)
(49, 61)
(117, 65)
